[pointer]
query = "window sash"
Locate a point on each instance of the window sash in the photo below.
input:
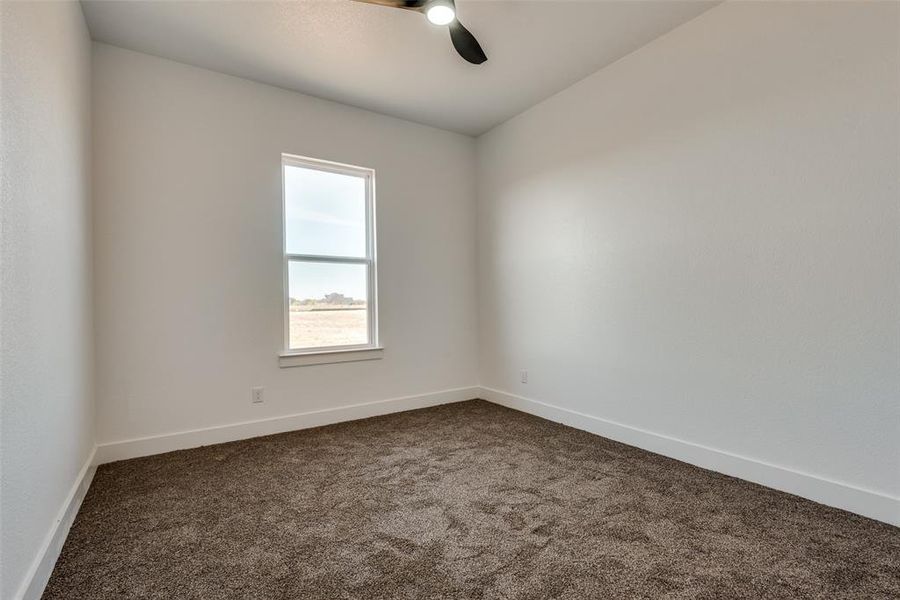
(324, 258)
(368, 260)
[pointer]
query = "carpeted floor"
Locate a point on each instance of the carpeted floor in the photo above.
(463, 501)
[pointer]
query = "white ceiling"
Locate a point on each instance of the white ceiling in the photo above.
(393, 61)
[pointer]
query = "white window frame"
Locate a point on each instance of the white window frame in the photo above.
(351, 352)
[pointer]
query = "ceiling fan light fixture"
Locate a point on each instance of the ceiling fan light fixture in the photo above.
(443, 13)
(440, 12)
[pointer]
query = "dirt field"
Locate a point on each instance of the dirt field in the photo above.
(314, 328)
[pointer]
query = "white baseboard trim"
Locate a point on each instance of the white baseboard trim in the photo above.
(146, 446)
(42, 567)
(868, 503)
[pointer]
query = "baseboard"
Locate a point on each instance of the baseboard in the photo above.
(146, 446)
(824, 491)
(42, 567)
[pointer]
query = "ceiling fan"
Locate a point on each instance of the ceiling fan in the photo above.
(442, 12)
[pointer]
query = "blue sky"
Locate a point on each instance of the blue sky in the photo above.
(314, 280)
(325, 213)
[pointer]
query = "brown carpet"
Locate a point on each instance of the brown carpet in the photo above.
(462, 501)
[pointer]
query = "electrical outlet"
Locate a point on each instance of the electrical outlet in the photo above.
(256, 395)
(524, 376)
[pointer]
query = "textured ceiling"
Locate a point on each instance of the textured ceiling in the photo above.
(393, 61)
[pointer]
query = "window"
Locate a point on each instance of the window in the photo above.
(329, 257)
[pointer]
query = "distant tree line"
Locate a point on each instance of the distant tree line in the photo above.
(333, 299)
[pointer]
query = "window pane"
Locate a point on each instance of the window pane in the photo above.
(325, 213)
(327, 304)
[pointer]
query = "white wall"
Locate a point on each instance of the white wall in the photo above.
(46, 345)
(703, 241)
(188, 248)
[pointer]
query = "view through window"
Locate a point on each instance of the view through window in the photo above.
(328, 255)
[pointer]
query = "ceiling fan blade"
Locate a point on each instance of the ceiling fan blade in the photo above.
(466, 44)
(405, 4)
(463, 40)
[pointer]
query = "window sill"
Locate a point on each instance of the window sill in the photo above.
(305, 359)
